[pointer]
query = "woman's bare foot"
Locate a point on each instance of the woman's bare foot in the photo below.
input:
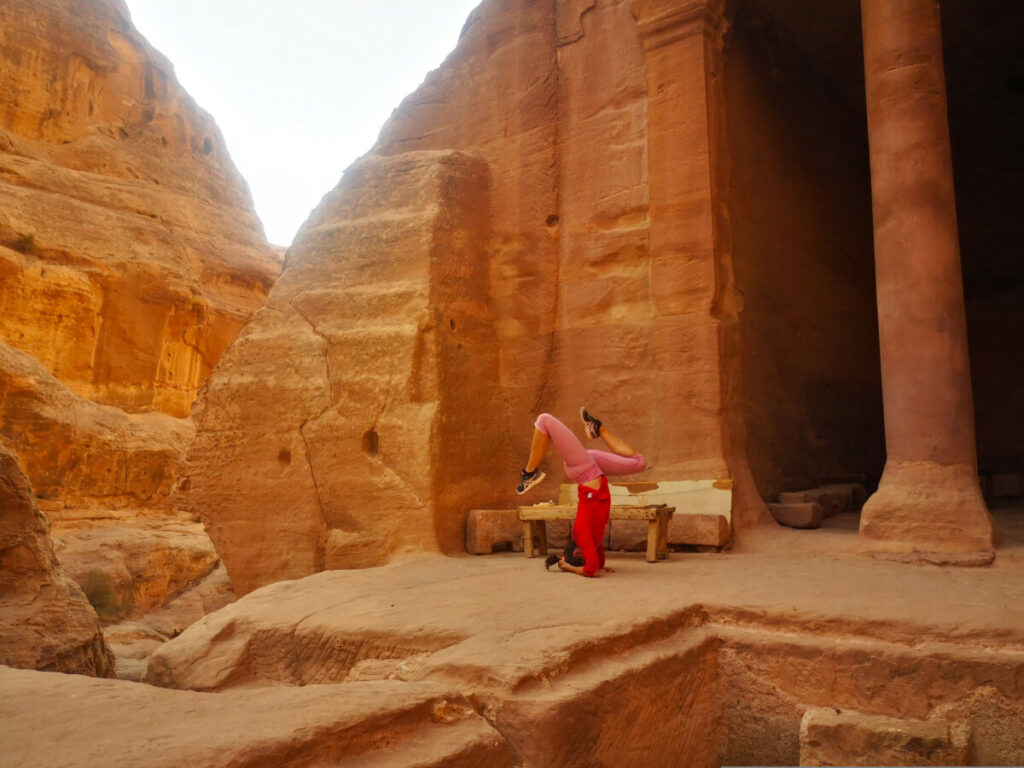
(577, 569)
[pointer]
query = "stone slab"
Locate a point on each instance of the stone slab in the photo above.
(798, 514)
(830, 736)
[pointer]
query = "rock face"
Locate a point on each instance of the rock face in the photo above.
(130, 570)
(45, 620)
(354, 398)
(130, 254)
(698, 660)
(361, 725)
(80, 454)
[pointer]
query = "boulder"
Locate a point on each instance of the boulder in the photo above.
(132, 642)
(798, 515)
(130, 252)
(45, 620)
(343, 426)
(78, 453)
(831, 736)
(131, 570)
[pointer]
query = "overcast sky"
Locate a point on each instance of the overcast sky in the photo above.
(300, 88)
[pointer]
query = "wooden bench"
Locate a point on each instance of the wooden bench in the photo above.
(535, 519)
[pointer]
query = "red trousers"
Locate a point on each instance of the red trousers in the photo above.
(591, 524)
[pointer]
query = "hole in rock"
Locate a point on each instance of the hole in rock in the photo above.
(284, 456)
(451, 324)
(207, 146)
(552, 220)
(371, 443)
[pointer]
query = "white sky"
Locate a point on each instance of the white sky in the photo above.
(299, 88)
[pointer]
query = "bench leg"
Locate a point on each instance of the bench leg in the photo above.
(528, 538)
(652, 541)
(542, 537)
(662, 537)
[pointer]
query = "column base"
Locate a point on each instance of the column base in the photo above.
(928, 510)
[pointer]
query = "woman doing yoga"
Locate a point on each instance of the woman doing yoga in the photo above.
(589, 470)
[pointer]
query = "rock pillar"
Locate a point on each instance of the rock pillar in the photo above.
(696, 329)
(929, 499)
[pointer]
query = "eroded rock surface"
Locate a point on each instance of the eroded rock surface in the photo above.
(340, 428)
(80, 454)
(363, 725)
(130, 254)
(131, 570)
(716, 657)
(45, 620)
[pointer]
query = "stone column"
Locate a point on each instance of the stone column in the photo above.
(696, 305)
(929, 499)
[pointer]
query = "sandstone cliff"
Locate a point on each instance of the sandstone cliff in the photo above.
(130, 254)
(45, 620)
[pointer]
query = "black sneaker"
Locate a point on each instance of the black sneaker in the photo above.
(529, 479)
(590, 424)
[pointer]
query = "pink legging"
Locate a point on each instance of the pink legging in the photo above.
(582, 465)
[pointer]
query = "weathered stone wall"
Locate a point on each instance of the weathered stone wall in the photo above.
(130, 254)
(45, 620)
(349, 422)
(496, 96)
(80, 454)
(800, 199)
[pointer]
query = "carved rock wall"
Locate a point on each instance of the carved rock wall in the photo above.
(130, 254)
(802, 241)
(342, 427)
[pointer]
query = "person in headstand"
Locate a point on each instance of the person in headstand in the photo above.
(589, 470)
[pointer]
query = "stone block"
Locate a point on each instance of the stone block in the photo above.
(493, 530)
(694, 530)
(833, 499)
(830, 736)
(699, 530)
(798, 515)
